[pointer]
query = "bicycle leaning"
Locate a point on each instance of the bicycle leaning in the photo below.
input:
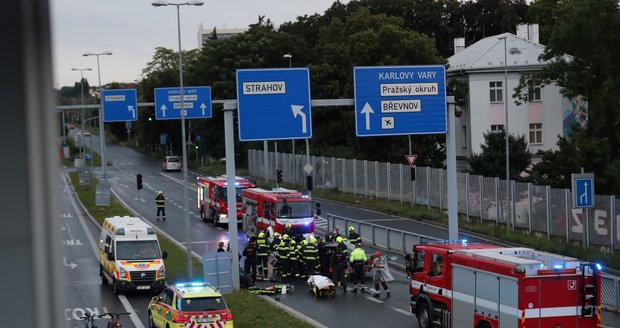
(90, 318)
(115, 319)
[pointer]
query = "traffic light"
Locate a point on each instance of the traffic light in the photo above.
(309, 182)
(139, 181)
(279, 175)
(412, 173)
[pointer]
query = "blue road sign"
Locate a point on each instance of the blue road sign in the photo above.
(397, 100)
(274, 104)
(583, 190)
(120, 105)
(197, 103)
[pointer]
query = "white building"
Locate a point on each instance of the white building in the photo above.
(545, 117)
(223, 33)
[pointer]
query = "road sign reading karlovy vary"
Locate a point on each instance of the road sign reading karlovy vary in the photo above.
(397, 100)
(119, 105)
(274, 104)
(197, 103)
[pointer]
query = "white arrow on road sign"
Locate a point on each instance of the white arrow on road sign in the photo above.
(583, 198)
(72, 265)
(132, 110)
(203, 106)
(297, 111)
(367, 110)
(163, 110)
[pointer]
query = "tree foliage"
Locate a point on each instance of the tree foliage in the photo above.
(491, 161)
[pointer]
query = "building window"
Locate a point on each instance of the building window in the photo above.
(497, 127)
(496, 91)
(534, 95)
(536, 133)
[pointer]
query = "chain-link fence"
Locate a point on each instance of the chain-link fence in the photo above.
(542, 210)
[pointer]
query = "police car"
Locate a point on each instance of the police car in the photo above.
(195, 304)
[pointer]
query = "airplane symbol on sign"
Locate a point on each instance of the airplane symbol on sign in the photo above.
(387, 123)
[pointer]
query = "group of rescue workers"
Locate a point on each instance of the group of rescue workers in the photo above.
(297, 258)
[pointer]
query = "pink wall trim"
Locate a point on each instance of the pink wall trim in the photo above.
(497, 114)
(535, 112)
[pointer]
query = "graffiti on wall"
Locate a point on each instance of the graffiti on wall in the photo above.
(575, 115)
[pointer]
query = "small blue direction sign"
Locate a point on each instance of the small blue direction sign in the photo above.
(274, 104)
(583, 190)
(119, 105)
(397, 100)
(196, 100)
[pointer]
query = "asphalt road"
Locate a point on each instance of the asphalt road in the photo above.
(349, 309)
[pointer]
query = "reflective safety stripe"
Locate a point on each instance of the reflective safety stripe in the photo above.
(547, 312)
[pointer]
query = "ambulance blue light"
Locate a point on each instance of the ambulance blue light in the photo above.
(599, 267)
(197, 284)
(557, 267)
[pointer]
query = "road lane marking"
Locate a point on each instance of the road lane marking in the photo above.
(128, 308)
(370, 298)
(405, 312)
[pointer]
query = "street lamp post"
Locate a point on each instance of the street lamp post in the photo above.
(81, 110)
(507, 136)
(104, 163)
(161, 3)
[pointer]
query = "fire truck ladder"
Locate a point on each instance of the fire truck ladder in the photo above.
(589, 298)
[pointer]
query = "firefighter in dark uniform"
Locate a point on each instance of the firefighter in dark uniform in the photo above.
(339, 265)
(354, 237)
(324, 257)
(249, 265)
(160, 201)
(310, 256)
(293, 257)
(342, 246)
(285, 263)
(262, 253)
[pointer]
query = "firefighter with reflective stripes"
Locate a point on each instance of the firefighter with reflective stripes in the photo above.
(262, 254)
(358, 260)
(160, 201)
(293, 256)
(311, 254)
(285, 263)
(354, 237)
(339, 265)
(342, 246)
(303, 269)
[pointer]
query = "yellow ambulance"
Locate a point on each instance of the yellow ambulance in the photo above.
(129, 255)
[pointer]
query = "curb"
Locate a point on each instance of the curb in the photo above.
(296, 314)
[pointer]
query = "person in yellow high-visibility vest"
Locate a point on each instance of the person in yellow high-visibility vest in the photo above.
(358, 260)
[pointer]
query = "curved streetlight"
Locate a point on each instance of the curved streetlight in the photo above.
(82, 109)
(104, 163)
(161, 3)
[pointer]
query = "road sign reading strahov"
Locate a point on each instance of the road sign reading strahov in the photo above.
(119, 105)
(583, 190)
(399, 100)
(197, 103)
(274, 104)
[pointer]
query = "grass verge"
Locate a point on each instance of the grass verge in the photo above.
(248, 310)
(252, 311)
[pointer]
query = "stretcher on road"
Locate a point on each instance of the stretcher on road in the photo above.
(321, 286)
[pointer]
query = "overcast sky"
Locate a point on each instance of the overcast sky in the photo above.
(132, 29)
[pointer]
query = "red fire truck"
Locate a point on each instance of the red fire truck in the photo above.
(271, 210)
(459, 284)
(212, 197)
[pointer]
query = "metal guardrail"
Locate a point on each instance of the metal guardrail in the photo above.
(542, 210)
(402, 242)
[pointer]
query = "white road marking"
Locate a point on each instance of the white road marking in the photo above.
(128, 308)
(405, 312)
(370, 298)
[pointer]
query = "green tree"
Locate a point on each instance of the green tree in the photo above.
(491, 161)
(573, 154)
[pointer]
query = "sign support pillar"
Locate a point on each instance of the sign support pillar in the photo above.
(453, 219)
(231, 196)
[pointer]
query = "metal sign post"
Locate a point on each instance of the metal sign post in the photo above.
(231, 194)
